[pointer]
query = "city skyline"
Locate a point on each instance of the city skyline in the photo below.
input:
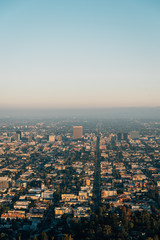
(87, 54)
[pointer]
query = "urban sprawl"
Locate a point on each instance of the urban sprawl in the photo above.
(79, 179)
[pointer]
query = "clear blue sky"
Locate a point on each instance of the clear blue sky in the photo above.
(79, 53)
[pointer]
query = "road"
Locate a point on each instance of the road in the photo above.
(97, 175)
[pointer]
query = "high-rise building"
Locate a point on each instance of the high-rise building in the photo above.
(119, 136)
(18, 135)
(77, 132)
(125, 136)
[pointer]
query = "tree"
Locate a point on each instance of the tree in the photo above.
(67, 237)
(114, 219)
(44, 236)
(2, 235)
(156, 237)
(107, 230)
(35, 237)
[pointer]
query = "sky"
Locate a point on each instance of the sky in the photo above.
(79, 54)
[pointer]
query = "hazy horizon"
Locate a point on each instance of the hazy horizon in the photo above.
(79, 54)
(85, 113)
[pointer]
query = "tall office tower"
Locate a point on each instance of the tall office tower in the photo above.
(77, 132)
(119, 136)
(125, 136)
(19, 135)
